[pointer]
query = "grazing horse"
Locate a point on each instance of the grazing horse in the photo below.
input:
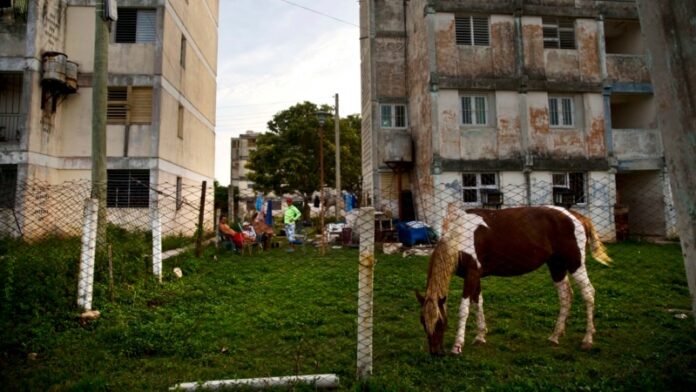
(508, 242)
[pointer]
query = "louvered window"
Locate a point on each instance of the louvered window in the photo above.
(474, 109)
(472, 30)
(561, 112)
(559, 33)
(136, 25)
(128, 188)
(129, 105)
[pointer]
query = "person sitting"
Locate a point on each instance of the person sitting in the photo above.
(236, 238)
(248, 232)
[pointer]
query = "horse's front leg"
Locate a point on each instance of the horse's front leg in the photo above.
(461, 328)
(480, 321)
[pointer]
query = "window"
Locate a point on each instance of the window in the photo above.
(474, 109)
(128, 188)
(570, 184)
(472, 30)
(8, 185)
(561, 112)
(393, 115)
(180, 123)
(10, 103)
(135, 25)
(129, 105)
(473, 183)
(182, 56)
(559, 33)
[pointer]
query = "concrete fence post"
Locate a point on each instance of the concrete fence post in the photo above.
(366, 227)
(156, 243)
(85, 280)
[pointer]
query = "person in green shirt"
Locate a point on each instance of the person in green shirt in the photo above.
(292, 214)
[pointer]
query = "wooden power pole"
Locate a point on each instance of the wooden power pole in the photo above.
(99, 94)
(337, 127)
(668, 32)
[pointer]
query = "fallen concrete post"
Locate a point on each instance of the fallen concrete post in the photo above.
(319, 381)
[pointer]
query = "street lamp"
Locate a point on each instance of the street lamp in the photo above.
(321, 117)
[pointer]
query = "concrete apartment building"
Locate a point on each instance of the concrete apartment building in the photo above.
(242, 146)
(532, 101)
(161, 97)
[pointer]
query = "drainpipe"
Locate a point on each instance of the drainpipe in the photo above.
(606, 93)
(522, 108)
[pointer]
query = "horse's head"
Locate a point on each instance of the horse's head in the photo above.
(434, 320)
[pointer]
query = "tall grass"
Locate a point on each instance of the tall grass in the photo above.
(274, 314)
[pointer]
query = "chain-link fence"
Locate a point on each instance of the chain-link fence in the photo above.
(143, 221)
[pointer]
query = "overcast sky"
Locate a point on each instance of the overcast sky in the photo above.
(273, 54)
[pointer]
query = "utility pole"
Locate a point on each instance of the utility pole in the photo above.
(668, 32)
(337, 127)
(99, 93)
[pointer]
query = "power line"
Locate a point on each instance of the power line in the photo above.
(320, 13)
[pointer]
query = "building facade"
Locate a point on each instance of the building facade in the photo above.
(242, 146)
(161, 97)
(505, 103)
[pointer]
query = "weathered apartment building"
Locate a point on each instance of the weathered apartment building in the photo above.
(161, 100)
(241, 147)
(512, 101)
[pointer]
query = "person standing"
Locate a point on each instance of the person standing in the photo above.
(292, 214)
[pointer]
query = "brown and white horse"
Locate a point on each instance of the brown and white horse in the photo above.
(508, 242)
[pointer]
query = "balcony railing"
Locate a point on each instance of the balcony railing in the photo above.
(637, 143)
(627, 68)
(10, 128)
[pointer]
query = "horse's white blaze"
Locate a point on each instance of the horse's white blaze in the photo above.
(461, 328)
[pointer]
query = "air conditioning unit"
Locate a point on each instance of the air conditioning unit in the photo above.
(563, 197)
(491, 198)
(54, 64)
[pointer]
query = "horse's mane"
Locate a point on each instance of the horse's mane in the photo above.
(442, 264)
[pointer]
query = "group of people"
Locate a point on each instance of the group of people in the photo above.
(250, 234)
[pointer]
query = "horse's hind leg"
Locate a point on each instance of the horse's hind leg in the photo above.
(588, 292)
(565, 297)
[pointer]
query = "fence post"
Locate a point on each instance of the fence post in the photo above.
(201, 211)
(156, 242)
(89, 238)
(366, 225)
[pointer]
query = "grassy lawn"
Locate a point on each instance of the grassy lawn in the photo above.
(274, 314)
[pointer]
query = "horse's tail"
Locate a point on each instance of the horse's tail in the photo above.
(597, 248)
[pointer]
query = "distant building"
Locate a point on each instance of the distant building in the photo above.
(531, 101)
(161, 97)
(242, 146)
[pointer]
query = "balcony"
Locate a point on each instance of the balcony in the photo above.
(627, 68)
(637, 144)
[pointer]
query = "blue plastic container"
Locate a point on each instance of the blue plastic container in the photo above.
(409, 235)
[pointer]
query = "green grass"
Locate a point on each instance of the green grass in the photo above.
(274, 314)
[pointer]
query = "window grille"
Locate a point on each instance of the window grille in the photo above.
(561, 112)
(10, 104)
(473, 184)
(559, 33)
(472, 30)
(474, 109)
(393, 115)
(572, 184)
(136, 25)
(128, 188)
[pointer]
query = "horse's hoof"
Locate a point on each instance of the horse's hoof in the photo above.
(457, 349)
(480, 342)
(554, 342)
(586, 346)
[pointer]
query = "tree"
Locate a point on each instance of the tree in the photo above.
(286, 159)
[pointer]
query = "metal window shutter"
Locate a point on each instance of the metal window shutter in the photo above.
(117, 105)
(146, 31)
(480, 30)
(126, 25)
(141, 105)
(462, 25)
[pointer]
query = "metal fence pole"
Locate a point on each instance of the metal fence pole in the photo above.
(89, 238)
(366, 225)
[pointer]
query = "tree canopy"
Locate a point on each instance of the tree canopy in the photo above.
(286, 158)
